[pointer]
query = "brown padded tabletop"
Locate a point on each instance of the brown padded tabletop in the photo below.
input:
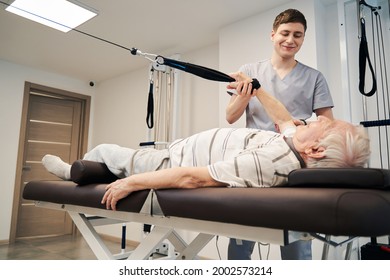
(355, 202)
(67, 192)
(335, 211)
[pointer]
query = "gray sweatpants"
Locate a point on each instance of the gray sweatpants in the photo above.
(124, 162)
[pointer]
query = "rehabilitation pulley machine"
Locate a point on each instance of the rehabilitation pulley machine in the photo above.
(377, 66)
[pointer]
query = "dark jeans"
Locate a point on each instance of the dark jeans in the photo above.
(242, 250)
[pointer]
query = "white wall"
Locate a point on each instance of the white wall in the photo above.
(122, 102)
(12, 79)
(121, 107)
(198, 97)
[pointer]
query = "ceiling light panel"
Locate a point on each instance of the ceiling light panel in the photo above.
(59, 14)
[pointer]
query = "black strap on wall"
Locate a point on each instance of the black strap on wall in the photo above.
(150, 108)
(363, 58)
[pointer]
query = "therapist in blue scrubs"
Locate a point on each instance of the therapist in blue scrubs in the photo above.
(302, 89)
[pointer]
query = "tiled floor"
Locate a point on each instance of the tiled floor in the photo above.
(52, 248)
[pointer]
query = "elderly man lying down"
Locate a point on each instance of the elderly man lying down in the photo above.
(234, 157)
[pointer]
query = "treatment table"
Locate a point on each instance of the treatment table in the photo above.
(316, 203)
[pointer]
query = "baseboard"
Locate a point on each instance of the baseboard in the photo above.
(4, 242)
(129, 243)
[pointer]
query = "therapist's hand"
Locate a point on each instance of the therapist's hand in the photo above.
(243, 85)
(240, 77)
(295, 121)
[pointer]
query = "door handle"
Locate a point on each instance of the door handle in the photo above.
(26, 168)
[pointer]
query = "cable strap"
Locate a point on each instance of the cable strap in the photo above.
(363, 58)
(150, 109)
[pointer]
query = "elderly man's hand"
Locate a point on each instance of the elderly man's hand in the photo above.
(115, 192)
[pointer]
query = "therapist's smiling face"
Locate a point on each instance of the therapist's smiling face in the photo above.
(288, 39)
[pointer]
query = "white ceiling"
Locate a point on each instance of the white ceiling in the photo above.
(162, 27)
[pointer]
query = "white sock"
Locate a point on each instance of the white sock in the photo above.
(57, 166)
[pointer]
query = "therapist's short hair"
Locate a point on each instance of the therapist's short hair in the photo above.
(288, 16)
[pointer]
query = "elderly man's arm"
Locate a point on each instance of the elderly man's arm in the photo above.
(274, 108)
(178, 177)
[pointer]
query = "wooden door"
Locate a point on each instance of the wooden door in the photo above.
(54, 124)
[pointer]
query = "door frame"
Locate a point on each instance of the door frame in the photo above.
(83, 143)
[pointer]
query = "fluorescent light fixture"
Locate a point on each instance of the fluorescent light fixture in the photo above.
(59, 14)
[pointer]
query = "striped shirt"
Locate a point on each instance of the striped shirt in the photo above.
(239, 157)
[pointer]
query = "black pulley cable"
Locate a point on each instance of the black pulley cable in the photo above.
(364, 57)
(197, 70)
(203, 72)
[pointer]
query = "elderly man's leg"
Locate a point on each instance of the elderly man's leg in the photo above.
(56, 166)
(121, 161)
(116, 158)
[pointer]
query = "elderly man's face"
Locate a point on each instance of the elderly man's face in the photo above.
(309, 135)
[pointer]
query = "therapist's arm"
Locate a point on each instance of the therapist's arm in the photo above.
(178, 177)
(236, 107)
(326, 112)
